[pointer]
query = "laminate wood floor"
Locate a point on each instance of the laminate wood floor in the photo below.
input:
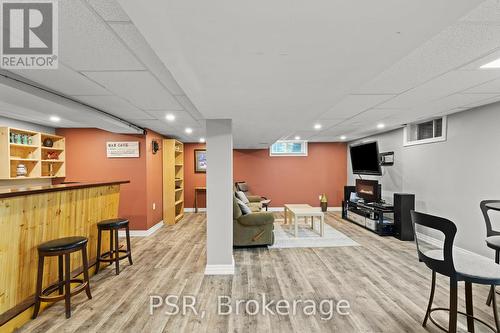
(386, 286)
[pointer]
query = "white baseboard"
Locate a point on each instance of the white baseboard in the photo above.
(142, 233)
(191, 210)
(281, 209)
(220, 269)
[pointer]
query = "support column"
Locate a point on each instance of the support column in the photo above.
(219, 197)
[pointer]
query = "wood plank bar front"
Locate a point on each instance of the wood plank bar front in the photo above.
(33, 216)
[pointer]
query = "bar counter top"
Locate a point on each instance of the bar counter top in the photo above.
(8, 193)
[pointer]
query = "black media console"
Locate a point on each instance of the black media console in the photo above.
(383, 219)
(375, 217)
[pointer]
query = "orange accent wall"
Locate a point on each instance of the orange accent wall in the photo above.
(86, 161)
(282, 179)
(192, 179)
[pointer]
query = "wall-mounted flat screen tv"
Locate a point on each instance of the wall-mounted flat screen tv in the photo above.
(365, 159)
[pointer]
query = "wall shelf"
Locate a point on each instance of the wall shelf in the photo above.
(20, 146)
(173, 178)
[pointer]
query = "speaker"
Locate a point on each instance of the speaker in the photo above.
(403, 205)
(347, 195)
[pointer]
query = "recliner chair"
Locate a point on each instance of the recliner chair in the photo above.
(252, 229)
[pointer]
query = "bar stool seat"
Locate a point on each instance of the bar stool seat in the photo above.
(471, 267)
(113, 223)
(63, 244)
(493, 242)
(62, 248)
(113, 255)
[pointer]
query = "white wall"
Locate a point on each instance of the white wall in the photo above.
(7, 122)
(449, 178)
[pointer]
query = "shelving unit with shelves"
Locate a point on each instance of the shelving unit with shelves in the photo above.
(173, 181)
(20, 147)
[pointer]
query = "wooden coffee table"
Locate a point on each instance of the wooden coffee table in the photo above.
(296, 211)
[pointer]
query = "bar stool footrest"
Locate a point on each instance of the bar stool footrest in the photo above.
(55, 287)
(463, 314)
(107, 256)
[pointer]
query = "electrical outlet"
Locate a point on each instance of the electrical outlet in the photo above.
(154, 206)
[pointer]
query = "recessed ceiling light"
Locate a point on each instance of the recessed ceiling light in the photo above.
(317, 126)
(492, 64)
(380, 126)
(297, 137)
(170, 117)
(188, 130)
(343, 137)
(55, 119)
(202, 140)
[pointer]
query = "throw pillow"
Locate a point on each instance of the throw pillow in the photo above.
(241, 195)
(244, 208)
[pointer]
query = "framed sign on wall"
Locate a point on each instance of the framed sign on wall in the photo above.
(122, 149)
(200, 161)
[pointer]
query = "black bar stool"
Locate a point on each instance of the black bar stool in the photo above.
(113, 225)
(457, 266)
(492, 236)
(62, 247)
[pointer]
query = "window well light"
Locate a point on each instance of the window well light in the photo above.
(297, 137)
(202, 140)
(55, 119)
(492, 64)
(188, 130)
(380, 126)
(170, 117)
(317, 126)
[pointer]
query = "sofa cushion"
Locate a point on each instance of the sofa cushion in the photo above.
(257, 219)
(236, 209)
(244, 208)
(240, 195)
(255, 206)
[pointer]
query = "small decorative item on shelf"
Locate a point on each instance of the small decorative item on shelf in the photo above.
(324, 202)
(51, 170)
(24, 139)
(52, 155)
(30, 140)
(18, 138)
(21, 170)
(48, 143)
(12, 137)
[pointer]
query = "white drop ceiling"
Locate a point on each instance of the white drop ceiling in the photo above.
(275, 67)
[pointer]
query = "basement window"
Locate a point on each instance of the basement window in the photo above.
(428, 131)
(289, 148)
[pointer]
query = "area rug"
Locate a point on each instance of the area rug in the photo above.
(309, 238)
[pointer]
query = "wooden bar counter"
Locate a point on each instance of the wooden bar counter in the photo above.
(34, 215)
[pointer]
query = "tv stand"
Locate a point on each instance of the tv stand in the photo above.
(377, 217)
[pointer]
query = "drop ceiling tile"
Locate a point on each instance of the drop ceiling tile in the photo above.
(351, 105)
(87, 43)
(189, 106)
(140, 47)
(488, 11)
(116, 106)
(109, 10)
(447, 84)
(447, 103)
(372, 117)
(492, 87)
(181, 117)
(452, 48)
(482, 102)
(138, 87)
(63, 80)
